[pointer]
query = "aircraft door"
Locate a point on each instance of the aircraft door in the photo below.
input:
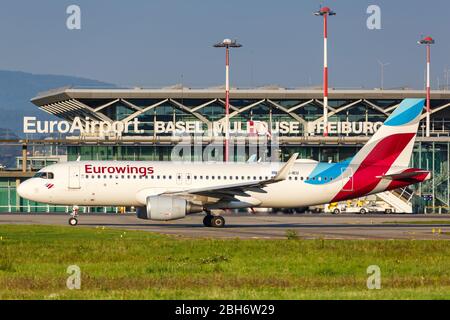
(74, 178)
(347, 179)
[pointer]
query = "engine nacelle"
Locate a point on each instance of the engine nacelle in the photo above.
(164, 208)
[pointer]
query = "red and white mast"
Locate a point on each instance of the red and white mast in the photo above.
(227, 44)
(325, 12)
(428, 41)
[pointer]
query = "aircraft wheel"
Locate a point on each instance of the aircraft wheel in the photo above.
(73, 222)
(207, 220)
(217, 222)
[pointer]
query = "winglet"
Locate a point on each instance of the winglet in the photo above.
(284, 171)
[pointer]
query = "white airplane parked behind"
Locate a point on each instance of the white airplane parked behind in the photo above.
(166, 191)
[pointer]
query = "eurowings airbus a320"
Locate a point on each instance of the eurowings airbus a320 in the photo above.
(167, 191)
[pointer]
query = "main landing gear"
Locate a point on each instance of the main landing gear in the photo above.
(213, 221)
(73, 221)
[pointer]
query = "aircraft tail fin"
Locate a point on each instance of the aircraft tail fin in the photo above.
(393, 143)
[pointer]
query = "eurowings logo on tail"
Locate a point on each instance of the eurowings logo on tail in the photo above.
(389, 149)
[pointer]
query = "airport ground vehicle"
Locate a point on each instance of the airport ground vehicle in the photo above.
(360, 206)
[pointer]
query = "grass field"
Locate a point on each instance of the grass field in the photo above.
(141, 265)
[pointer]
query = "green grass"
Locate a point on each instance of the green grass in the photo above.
(142, 265)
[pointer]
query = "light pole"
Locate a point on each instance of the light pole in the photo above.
(325, 12)
(382, 65)
(227, 44)
(446, 71)
(427, 41)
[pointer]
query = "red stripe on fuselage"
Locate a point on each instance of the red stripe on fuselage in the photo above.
(377, 163)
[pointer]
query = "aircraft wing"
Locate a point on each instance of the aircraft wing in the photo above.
(239, 189)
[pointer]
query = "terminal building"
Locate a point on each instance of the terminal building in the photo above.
(273, 123)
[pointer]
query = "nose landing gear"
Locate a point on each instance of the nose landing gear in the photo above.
(73, 221)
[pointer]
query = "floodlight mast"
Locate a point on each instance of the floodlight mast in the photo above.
(325, 12)
(227, 44)
(428, 41)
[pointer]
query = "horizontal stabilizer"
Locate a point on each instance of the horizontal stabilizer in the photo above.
(404, 175)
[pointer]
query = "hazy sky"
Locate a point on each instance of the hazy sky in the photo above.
(156, 43)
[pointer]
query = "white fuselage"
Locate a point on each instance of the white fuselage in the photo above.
(118, 183)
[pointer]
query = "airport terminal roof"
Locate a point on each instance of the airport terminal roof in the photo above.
(270, 92)
(68, 103)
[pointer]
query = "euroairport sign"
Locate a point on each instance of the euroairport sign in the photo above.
(87, 126)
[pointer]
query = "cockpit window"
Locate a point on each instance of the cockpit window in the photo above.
(44, 175)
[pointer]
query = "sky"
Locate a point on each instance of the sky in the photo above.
(150, 43)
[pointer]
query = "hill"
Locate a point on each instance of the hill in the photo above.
(17, 88)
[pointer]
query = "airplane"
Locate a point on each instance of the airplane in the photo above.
(164, 191)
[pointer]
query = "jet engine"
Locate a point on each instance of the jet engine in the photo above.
(164, 208)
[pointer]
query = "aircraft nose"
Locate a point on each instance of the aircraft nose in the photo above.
(24, 190)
